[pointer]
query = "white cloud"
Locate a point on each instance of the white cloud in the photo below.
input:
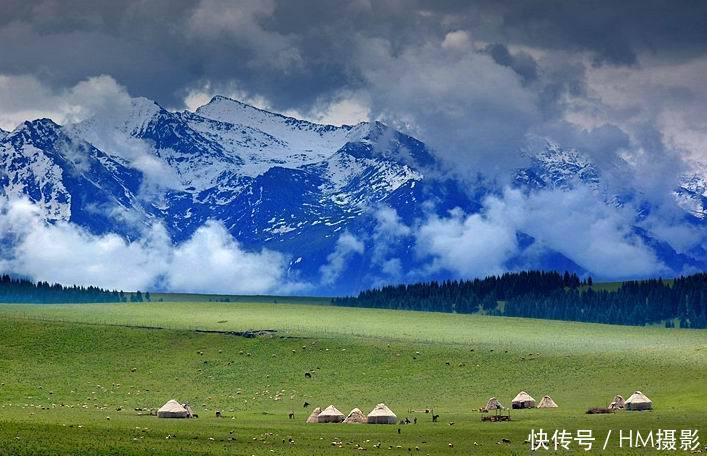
(66, 254)
(389, 225)
(659, 105)
(575, 223)
(25, 97)
(471, 110)
(459, 40)
(579, 225)
(345, 109)
(346, 246)
(388, 235)
(211, 261)
(468, 245)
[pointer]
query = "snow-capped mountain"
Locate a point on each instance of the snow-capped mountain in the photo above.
(69, 179)
(692, 193)
(273, 181)
(555, 167)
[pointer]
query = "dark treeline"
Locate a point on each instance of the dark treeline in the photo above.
(551, 295)
(13, 290)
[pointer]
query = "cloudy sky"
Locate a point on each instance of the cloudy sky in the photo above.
(473, 79)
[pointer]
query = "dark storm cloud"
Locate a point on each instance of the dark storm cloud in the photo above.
(473, 77)
(152, 48)
(521, 62)
(614, 31)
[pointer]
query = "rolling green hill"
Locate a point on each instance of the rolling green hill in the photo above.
(72, 376)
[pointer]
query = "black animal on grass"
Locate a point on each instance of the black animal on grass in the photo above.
(291, 415)
(435, 418)
(599, 410)
(306, 404)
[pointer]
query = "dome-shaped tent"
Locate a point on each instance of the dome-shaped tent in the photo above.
(313, 416)
(618, 403)
(173, 409)
(638, 401)
(493, 404)
(547, 402)
(330, 415)
(381, 414)
(356, 416)
(523, 400)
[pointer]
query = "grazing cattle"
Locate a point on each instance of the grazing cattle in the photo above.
(306, 404)
(291, 415)
(307, 375)
(414, 420)
(435, 418)
(218, 413)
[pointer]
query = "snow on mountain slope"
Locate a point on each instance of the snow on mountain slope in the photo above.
(552, 166)
(555, 167)
(273, 181)
(271, 137)
(692, 193)
(226, 152)
(69, 179)
(149, 138)
(26, 171)
(357, 178)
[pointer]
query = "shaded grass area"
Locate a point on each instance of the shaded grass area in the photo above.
(59, 375)
(265, 299)
(659, 344)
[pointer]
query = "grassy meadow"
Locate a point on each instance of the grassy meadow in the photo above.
(72, 377)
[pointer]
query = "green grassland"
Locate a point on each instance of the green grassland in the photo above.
(71, 377)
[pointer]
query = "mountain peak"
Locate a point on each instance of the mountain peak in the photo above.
(36, 130)
(299, 137)
(220, 103)
(229, 110)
